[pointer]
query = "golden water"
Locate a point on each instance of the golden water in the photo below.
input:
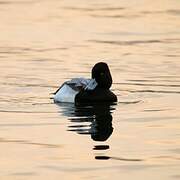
(45, 42)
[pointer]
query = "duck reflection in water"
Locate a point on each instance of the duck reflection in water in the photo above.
(99, 116)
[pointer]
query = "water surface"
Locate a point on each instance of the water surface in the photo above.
(44, 43)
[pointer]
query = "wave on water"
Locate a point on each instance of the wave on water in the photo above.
(136, 42)
(31, 112)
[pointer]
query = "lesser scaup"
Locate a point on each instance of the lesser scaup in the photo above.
(81, 90)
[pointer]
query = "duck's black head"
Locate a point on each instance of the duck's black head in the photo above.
(102, 75)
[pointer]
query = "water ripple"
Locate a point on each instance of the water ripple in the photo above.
(153, 91)
(117, 158)
(22, 50)
(28, 124)
(95, 9)
(149, 84)
(3, 140)
(31, 112)
(136, 42)
(16, 2)
(115, 16)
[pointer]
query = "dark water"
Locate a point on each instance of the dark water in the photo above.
(44, 43)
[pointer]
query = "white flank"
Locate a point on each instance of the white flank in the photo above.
(69, 89)
(65, 94)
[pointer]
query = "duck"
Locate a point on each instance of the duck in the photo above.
(84, 91)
